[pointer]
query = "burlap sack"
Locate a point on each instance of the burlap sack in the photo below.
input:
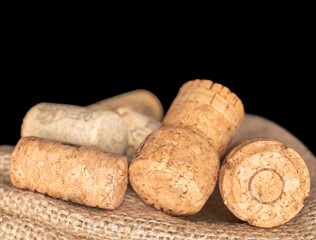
(24, 214)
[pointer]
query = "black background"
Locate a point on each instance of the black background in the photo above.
(273, 77)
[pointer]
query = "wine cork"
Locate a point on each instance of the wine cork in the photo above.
(175, 170)
(209, 108)
(264, 182)
(141, 101)
(70, 172)
(79, 125)
(141, 112)
(138, 127)
(176, 167)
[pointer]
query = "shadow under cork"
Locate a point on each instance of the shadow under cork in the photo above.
(214, 210)
(253, 126)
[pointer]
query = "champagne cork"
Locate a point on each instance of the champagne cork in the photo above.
(79, 125)
(264, 182)
(176, 167)
(141, 101)
(70, 172)
(175, 170)
(209, 108)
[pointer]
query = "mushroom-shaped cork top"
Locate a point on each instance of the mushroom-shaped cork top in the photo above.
(175, 169)
(208, 108)
(264, 182)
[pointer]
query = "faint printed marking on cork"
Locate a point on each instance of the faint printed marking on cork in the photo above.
(48, 115)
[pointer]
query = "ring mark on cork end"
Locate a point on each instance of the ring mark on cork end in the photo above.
(253, 192)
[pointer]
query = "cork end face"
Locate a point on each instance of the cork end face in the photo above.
(264, 182)
(26, 127)
(197, 83)
(175, 170)
(167, 190)
(221, 98)
(156, 111)
(209, 108)
(121, 184)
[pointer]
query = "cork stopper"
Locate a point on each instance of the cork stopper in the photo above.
(79, 125)
(174, 170)
(176, 167)
(209, 108)
(138, 127)
(70, 172)
(141, 101)
(264, 182)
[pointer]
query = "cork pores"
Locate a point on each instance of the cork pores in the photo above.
(176, 167)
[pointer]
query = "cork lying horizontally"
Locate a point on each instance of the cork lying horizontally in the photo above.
(79, 125)
(70, 172)
(138, 127)
(141, 112)
(140, 101)
(31, 215)
(176, 167)
(264, 182)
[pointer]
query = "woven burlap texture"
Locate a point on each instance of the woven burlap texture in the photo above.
(29, 215)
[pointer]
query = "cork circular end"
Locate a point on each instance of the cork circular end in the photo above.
(220, 98)
(260, 186)
(208, 108)
(174, 170)
(156, 110)
(264, 182)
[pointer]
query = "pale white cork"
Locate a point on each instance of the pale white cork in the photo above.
(79, 125)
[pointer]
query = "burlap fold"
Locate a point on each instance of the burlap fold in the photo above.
(24, 214)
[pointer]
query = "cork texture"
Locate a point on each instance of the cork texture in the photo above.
(70, 172)
(209, 108)
(141, 101)
(196, 130)
(77, 125)
(26, 214)
(138, 127)
(174, 170)
(264, 182)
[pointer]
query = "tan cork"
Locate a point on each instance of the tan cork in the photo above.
(79, 125)
(264, 182)
(209, 108)
(141, 101)
(176, 167)
(175, 170)
(70, 172)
